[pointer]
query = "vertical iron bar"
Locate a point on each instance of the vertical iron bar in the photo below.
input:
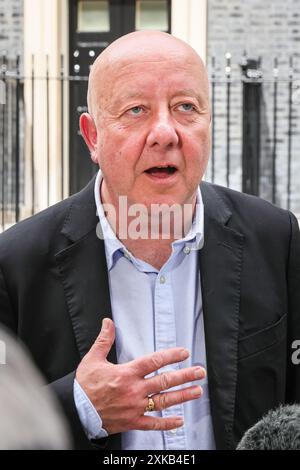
(228, 90)
(252, 92)
(32, 136)
(258, 145)
(274, 153)
(12, 91)
(62, 125)
(4, 109)
(290, 111)
(48, 130)
(17, 182)
(213, 100)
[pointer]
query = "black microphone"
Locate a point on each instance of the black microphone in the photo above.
(279, 429)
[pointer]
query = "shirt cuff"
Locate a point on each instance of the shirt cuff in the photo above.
(88, 415)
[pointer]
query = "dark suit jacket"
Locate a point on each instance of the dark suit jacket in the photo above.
(54, 293)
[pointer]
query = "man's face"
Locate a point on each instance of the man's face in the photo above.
(153, 131)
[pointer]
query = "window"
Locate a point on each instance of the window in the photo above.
(152, 14)
(93, 16)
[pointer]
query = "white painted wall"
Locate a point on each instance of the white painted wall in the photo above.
(47, 34)
(189, 23)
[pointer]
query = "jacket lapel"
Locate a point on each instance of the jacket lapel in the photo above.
(83, 270)
(221, 265)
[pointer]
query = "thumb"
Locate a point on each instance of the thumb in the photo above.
(105, 339)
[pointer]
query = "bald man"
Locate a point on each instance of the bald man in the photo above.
(195, 288)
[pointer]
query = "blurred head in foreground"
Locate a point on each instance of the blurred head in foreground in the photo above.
(30, 417)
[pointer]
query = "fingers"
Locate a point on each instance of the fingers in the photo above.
(155, 361)
(105, 339)
(173, 379)
(149, 423)
(168, 399)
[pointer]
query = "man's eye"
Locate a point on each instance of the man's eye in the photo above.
(187, 107)
(136, 110)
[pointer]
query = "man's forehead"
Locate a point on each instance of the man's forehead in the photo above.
(121, 66)
(147, 48)
(128, 57)
(148, 44)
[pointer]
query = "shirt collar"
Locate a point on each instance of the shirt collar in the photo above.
(194, 239)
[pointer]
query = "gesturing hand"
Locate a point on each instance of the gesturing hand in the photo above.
(120, 392)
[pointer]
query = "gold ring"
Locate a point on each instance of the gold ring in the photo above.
(151, 405)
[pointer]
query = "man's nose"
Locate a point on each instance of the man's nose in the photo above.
(162, 133)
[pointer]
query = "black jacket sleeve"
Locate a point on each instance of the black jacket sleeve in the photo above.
(293, 281)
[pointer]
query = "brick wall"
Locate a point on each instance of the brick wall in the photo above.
(11, 43)
(11, 26)
(266, 28)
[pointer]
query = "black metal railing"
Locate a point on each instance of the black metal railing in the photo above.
(264, 113)
(11, 138)
(255, 133)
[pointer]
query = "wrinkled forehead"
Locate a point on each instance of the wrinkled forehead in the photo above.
(117, 65)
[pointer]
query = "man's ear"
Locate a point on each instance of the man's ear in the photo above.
(89, 133)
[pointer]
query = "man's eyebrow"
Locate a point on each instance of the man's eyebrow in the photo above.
(138, 94)
(190, 92)
(132, 95)
(120, 99)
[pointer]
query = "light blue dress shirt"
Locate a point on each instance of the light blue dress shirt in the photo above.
(154, 310)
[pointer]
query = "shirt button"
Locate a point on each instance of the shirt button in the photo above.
(173, 431)
(126, 255)
(162, 279)
(187, 250)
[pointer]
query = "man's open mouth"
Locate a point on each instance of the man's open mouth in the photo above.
(161, 172)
